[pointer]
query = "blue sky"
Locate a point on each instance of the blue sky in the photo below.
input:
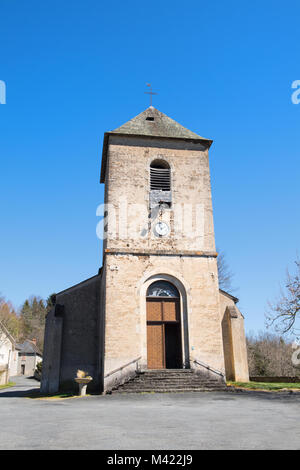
(75, 69)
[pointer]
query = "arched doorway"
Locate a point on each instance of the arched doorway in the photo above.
(163, 326)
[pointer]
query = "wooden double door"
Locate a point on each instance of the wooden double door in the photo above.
(163, 334)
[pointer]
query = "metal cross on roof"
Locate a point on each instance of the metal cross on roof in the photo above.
(150, 92)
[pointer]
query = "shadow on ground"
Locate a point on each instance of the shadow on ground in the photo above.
(30, 393)
(23, 387)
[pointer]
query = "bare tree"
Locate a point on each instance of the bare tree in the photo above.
(283, 315)
(9, 321)
(224, 273)
(8, 317)
(270, 355)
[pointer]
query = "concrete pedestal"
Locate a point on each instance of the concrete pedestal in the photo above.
(83, 383)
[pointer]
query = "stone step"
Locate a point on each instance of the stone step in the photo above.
(165, 385)
(169, 377)
(172, 376)
(155, 387)
(171, 384)
(169, 390)
(167, 372)
(170, 380)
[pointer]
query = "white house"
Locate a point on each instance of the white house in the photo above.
(8, 356)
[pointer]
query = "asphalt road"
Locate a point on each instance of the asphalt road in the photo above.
(216, 420)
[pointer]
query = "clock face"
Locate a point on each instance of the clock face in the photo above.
(161, 229)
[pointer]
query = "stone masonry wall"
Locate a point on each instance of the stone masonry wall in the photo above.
(192, 263)
(234, 340)
(125, 325)
(127, 189)
(81, 348)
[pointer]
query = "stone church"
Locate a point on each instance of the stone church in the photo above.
(155, 304)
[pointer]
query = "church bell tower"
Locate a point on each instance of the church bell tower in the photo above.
(159, 264)
(155, 303)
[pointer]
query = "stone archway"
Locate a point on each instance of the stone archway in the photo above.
(183, 304)
(164, 344)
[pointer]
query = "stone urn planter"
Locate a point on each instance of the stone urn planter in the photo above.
(83, 380)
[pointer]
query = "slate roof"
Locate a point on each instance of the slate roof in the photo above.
(235, 299)
(28, 347)
(152, 123)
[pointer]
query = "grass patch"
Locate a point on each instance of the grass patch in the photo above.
(9, 384)
(270, 386)
(36, 394)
